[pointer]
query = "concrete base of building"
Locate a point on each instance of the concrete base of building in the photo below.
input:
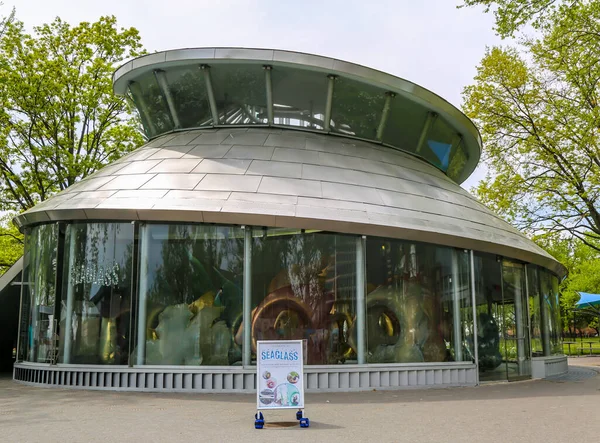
(343, 378)
(543, 367)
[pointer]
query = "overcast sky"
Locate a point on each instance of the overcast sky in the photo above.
(428, 42)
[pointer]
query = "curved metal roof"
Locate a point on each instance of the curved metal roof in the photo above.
(214, 87)
(280, 178)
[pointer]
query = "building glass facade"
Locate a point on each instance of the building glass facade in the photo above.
(181, 301)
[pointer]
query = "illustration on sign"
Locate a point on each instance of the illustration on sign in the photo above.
(280, 379)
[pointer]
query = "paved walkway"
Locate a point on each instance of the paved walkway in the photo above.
(561, 410)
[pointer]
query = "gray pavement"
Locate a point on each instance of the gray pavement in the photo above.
(564, 409)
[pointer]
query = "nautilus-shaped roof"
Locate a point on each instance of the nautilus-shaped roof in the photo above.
(222, 87)
(283, 139)
(283, 178)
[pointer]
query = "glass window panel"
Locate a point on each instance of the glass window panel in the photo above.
(304, 287)
(550, 314)
(241, 93)
(191, 280)
(490, 317)
(152, 105)
(405, 122)
(38, 327)
(537, 348)
(438, 147)
(458, 161)
(418, 304)
(299, 97)
(96, 296)
(516, 348)
(188, 89)
(357, 108)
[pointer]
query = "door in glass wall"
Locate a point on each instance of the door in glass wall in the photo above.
(490, 318)
(516, 341)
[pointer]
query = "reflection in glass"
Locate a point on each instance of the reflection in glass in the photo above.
(439, 147)
(458, 160)
(556, 341)
(38, 326)
(304, 287)
(537, 347)
(240, 93)
(404, 124)
(418, 303)
(191, 279)
(299, 97)
(96, 296)
(516, 334)
(490, 317)
(357, 108)
(152, 104)
(188, 88)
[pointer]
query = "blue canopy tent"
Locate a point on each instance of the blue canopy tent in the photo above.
(589, 302)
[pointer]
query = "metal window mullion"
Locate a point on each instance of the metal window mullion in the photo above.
(211, 94)
(134, 294)
(528, 313)
(384, 114)
(457, 141)
(329, 103)
(431, 116)
(360, 300)
(458, 354)
(161, 78)
(474, 303)
(142, 295)
(58, 283)
(247, 297)
(269, 86)
(501, 262)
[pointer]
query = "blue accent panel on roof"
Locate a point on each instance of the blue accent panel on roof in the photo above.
(442, 151)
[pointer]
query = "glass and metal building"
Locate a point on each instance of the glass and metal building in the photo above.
(282, 196)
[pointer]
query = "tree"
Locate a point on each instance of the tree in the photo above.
(511, 15)
(583, 266)
(59, 119)
(537, 109)
(5, 21)
(11, 244)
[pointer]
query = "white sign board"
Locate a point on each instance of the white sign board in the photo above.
(279, 374)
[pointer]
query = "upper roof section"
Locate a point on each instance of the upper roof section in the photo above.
(216, 87)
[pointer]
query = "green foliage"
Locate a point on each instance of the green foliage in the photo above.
(59, 119)
(11, 244)
(537, 109)
(5, 21)
(511, 15)
(583, 265)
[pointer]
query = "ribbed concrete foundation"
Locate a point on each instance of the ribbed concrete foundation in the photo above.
(232, 379)
(543, 367)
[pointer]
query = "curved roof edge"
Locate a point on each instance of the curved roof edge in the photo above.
(249, 218)
(176, 57)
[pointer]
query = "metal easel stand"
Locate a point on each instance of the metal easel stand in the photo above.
(259, 419)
